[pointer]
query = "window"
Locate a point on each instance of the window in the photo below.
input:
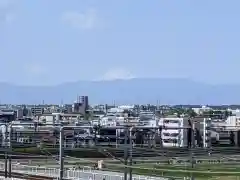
(171, 134)
(170, 121)
(170, 141)
(166, 134)
(174, 121)
(174, 134)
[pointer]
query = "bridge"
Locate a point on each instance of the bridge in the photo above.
(83, 174)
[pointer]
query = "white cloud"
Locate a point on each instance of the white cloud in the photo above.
(86, 20)
(117, 73)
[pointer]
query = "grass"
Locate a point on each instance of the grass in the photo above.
(204, 171)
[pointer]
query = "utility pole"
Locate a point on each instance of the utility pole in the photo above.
(10, 151)
(130, 153)
(61, 147)
(6, 154)
(193, 145)
(95, 135)
(5, 167)
(126, 153)
(160, 137)
(191, 141)
(61, 154)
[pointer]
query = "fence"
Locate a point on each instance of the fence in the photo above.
(83, 174)
(3, 178)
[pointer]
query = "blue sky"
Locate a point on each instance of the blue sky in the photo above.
(56, 41)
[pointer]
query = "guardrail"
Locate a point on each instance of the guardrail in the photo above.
(83, 174)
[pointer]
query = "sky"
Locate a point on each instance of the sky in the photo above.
(48, 42)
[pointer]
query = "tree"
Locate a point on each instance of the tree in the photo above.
(87, 116)
(227, 113)
(191, 113)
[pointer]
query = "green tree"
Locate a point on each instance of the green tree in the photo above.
(191, 113)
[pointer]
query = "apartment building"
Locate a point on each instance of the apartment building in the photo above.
(108, 120)
(148, 119)
(37, 110)
(174, 137)
(233, 122)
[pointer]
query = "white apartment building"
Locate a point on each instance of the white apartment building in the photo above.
(108, 120)
(233, 122)
(201, 110)
(174, 137)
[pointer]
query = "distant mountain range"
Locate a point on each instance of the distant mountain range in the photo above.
(138, 90)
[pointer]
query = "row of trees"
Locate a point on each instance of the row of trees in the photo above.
(191, 113)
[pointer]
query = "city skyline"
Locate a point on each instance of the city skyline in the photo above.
(52, 42)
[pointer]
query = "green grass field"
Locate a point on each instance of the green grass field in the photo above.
(199, 171)
(203, 171)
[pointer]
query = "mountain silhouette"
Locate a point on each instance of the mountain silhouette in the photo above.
(132, 91)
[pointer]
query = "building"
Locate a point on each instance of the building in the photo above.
(19, 113)
(207, 131)
(81, 105)
(148, 119)
(7, 116)
(37, 111)
(233, 122)
(174, 137)
(109, 120)
(201, 110)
